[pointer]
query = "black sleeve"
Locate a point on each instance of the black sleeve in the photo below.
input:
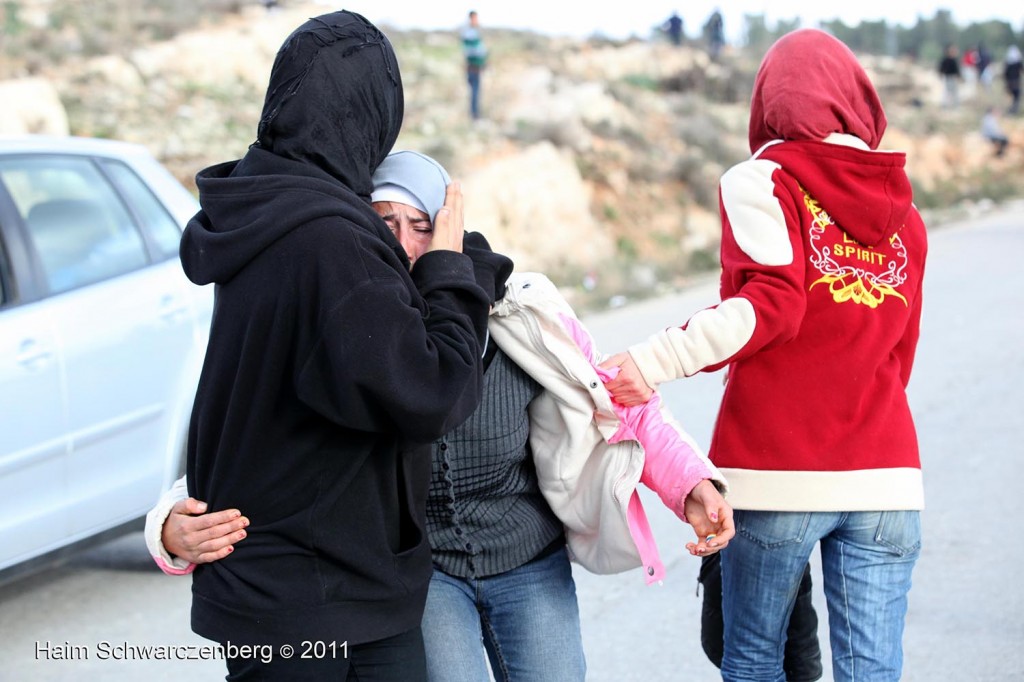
(382, 364)
(491, 269)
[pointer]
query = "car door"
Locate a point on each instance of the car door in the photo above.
(34, 441)
(125, 332)
(124, 460)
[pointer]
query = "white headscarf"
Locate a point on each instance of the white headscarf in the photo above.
(413, 179)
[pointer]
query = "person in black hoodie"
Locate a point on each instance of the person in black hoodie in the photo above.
(330, 363)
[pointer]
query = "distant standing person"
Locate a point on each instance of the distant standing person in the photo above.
(949, 69)
(1011, 74)
(984, 67)
(970, 64)
(476, 59)
(715, 32)
(673, 26)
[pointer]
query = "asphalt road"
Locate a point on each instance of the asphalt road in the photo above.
(92, 617)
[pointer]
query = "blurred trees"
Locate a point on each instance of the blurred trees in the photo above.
(925, 40)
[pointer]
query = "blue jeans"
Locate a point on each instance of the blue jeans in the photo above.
(802, 660)
(473, 78)
(527, 620)
(867, 559)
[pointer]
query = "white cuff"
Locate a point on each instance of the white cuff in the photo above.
(154, 530)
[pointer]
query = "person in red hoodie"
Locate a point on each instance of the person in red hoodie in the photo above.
(823, 255)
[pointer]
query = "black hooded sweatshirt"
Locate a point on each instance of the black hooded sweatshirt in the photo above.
(329, 362)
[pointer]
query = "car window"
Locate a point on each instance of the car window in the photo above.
(156, 221)
(75, 221)
(4, 272)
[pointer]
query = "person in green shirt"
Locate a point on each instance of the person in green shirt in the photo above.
(476, 58)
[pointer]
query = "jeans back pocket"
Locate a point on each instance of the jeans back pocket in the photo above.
(772, 529)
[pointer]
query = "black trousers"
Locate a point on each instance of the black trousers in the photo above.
(802, 662)
(401, 658)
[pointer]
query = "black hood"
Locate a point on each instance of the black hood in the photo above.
(332, 113)
(334, 99)
(247, 205)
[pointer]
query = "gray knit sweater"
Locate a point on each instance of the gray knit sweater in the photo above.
(485, 512)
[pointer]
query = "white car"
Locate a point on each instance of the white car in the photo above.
(102, 339)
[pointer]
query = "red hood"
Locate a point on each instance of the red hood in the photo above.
(866, 192)
(809, 86)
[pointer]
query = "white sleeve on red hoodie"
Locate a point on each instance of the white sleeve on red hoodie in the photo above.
(762, 263)
(155, 526)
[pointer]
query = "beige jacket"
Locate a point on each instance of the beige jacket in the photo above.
(587, 481)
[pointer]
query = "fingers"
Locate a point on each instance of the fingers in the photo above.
(706, 544)
(614, 361)
(711, 517)
(457, 210)
(210, 557)
(200, 538)
(221, 544)
(726, 530)
(613, 366)
(697, 550)
(189, 506)
(709, 543)
(629, 387)
(209, 522)
(720, 514)
(448, 227)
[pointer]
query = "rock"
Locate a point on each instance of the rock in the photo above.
(31, 105)
(534, 206)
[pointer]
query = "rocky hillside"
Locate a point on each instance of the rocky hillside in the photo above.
(596, 162)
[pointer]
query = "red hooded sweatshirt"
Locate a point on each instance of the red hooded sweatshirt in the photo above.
(822, 261)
